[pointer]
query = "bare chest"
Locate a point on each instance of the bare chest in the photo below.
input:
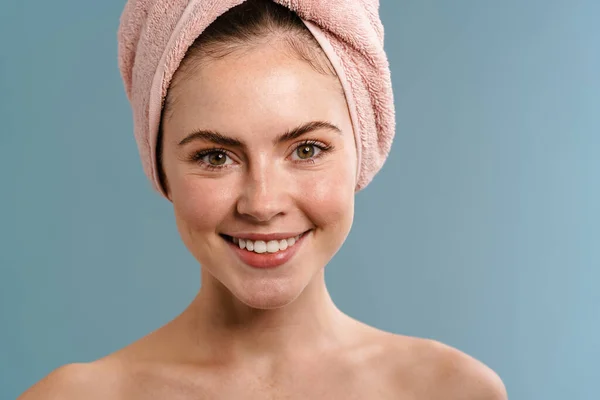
(315, 384)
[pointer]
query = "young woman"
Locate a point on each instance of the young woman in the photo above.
(257, 151)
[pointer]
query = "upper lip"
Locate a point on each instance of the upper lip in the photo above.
(265, 236)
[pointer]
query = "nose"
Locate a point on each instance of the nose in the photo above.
(264, 193)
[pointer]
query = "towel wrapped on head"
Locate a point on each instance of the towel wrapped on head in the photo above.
(154, 36)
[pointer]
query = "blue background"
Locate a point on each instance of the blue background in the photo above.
(482, 230)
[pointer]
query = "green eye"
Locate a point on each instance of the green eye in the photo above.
(306, 151)
(213, 158)
(217, 158)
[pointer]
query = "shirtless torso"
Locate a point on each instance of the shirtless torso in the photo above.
(379, 366)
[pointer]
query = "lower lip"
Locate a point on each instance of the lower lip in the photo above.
(267, 260)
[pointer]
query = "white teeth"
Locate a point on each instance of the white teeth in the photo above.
(260, 246)
(273, 246)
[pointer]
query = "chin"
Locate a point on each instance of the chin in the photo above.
(268, 295)
(268, 302)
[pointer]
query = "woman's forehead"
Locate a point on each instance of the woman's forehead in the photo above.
(259, 88)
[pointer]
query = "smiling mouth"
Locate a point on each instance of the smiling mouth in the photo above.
(262, 246)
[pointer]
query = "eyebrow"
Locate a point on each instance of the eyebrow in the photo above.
(224, 140)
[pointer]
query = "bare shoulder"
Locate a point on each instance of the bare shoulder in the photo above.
(116, 376)
(95, 380)
(442, 371)
(464, 377)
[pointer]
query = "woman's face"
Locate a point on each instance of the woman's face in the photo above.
(252, 150)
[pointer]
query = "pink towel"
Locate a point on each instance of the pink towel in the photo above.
(154, 36)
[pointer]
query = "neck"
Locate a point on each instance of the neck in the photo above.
(236, 331)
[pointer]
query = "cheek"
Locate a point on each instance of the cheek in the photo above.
(329, 198)
(200, 204)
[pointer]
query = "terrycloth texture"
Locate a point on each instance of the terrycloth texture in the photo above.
(154, 36)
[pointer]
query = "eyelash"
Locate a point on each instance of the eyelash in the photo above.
(198, 156)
